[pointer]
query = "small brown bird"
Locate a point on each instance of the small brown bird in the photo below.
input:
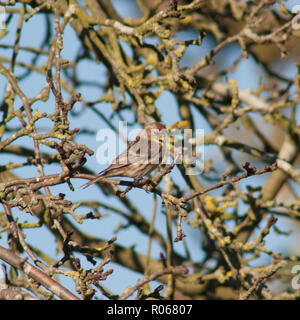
(141, 156)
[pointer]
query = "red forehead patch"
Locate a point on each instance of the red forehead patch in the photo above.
(160, 126)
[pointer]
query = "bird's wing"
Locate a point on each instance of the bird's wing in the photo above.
(128, 156)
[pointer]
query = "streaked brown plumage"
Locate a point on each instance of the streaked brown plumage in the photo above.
(141, 156)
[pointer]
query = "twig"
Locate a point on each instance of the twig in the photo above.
(178, 270)
(261, 280)
(39, 276)
(249, 172)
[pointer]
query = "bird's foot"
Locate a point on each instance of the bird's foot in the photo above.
(136, 182)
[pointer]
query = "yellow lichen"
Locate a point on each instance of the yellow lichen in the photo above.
(36, 114)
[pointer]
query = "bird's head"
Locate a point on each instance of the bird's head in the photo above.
(156, 130)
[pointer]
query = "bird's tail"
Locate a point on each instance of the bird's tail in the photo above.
(90, 182)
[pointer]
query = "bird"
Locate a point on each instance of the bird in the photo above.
(140, 158)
